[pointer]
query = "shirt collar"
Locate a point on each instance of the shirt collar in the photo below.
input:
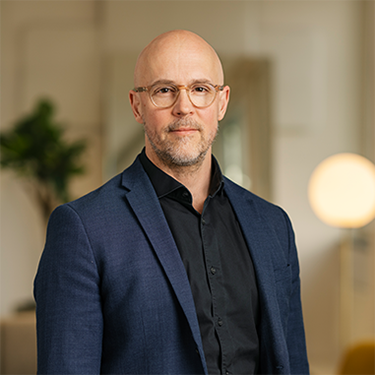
(164, 184)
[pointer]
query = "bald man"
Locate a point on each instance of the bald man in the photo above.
(170, 268)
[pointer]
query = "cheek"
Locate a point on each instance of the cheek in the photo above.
(214, 111)
(156, 120)
(210, 118)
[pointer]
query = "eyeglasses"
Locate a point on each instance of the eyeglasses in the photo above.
(165, 95)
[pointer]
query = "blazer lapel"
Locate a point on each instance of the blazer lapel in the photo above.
(144, 202)
(262, 244)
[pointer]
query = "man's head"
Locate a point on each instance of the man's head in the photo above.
(181, 134)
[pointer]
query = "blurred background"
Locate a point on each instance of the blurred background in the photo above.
(302, 79)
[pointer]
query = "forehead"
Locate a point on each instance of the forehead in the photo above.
(181, 69)
(179, 60)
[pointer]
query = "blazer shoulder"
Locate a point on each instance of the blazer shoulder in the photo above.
(111, 196)
(252, 207)
(263, 207)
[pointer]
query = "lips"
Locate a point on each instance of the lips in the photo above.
(184, 130)
(184, 126)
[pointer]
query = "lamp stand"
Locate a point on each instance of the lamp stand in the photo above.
(346, 288)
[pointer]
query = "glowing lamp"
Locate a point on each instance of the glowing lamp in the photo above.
(342, 191)
(342, 194)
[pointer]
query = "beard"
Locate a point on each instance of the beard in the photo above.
(181, 151)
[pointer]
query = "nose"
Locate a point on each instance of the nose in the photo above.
(183, 105)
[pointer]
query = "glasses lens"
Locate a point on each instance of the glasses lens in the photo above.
(163, 96)
(202, 95)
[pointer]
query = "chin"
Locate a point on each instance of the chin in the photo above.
(183, 152)
(181, 157)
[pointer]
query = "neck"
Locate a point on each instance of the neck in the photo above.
(196, 178)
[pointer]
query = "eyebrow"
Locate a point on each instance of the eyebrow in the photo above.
(169, 82)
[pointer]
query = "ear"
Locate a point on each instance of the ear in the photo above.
(136, 105)
(223, 102)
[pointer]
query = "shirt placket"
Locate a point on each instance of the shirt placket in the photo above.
(215, 278)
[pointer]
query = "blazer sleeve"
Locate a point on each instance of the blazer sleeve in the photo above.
(295, 333)
(66, 290)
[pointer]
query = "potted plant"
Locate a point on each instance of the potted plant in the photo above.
(35, 148)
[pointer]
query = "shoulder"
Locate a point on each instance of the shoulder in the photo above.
(107, 200)
(262, 207)
(251, 208)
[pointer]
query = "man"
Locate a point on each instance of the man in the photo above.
(170, 268)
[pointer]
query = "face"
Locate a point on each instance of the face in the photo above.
(182, 134)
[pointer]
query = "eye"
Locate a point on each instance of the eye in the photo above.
(201, 89)
(163, 90)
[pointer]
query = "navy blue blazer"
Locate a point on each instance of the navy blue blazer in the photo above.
(113, 296)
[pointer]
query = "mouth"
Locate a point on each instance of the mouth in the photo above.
(184, 131)
(184, 128)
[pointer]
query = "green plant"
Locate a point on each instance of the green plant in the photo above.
(37, 151)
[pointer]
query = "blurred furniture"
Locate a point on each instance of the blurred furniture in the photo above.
(359, 359)
(18, 344)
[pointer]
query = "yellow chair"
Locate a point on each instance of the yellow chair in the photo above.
(359, 359)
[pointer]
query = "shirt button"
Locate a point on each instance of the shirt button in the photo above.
(220, 322)
(185, 194)
(203, 221)
(213, 270)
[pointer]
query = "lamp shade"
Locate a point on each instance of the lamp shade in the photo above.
(342, 191)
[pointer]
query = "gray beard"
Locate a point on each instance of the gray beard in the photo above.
(171, 154)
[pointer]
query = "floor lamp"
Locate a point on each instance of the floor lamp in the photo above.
(342, 194)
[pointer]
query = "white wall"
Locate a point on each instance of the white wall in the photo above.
(316, 49)
(333, 117)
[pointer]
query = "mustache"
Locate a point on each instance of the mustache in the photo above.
(184, 123)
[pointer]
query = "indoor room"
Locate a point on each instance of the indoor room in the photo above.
(302, 79)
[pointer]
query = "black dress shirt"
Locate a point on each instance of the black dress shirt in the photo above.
(219, 268)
